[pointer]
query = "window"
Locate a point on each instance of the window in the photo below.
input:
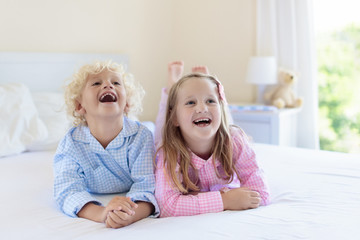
(337, 26)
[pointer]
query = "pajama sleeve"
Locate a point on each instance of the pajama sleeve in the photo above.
(70, 190)
(141, 166)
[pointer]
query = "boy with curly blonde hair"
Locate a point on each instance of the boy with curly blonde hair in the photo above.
(105, 152)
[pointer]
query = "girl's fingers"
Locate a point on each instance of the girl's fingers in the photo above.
(255, 200)
(254, 194)
(254, 206)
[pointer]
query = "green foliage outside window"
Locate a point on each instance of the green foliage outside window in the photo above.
(339, 90)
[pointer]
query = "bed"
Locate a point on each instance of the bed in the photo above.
(315, 194)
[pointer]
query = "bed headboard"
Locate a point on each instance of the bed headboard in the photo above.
(46, 71)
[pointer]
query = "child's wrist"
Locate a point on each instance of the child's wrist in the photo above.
(103, 215)
(93, 212)
(224, 199)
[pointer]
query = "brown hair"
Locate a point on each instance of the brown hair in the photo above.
(175, 148)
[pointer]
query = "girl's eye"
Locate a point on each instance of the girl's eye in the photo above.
(190, 103)
(95, 84)
(116, 83)
(211, 101)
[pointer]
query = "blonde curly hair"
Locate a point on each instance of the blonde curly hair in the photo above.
(73, 90)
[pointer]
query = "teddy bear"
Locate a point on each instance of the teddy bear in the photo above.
(282, 96)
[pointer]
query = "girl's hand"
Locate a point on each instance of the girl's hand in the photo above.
(240, 199)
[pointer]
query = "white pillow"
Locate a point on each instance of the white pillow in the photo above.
(20, 124)
(51, 108)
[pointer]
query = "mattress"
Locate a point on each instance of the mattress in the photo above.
(315, 195)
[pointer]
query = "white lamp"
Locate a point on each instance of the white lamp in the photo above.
(262, 70)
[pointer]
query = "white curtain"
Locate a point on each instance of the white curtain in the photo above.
(285, 30)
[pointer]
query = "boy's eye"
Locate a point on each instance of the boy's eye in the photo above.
(95, 83)
(117, 83)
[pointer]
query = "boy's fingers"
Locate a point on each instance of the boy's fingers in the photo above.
(128, 203)
(110, 223)
(132, 204)
(120, 216)
(126, 209)
(114, 217)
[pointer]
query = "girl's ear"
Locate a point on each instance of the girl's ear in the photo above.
(176, 124)
(79, 108)
(175, 121)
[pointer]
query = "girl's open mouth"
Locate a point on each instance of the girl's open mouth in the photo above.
(202, 122)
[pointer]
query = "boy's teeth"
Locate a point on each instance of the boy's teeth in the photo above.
(108, 97)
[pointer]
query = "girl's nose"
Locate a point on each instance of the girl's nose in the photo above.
(201, 107)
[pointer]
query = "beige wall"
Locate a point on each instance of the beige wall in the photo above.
(220, 34)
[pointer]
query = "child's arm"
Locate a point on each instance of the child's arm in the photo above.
(98, 213)
(173, 203)
(141, 168)
(93, 212)
(240, 199)
(70, 190)
(251, 175)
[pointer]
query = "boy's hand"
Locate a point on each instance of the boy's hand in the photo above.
(118, 219)
(120, 204)
(240, 199)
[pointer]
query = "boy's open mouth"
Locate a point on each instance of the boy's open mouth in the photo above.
(108, 97)
(202, 122)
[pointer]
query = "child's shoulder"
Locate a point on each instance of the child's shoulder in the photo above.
(70, 140)
(239, 137)
(237, 132)
(135, 128)
(79, 133)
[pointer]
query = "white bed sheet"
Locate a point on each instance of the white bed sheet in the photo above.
(315, 195)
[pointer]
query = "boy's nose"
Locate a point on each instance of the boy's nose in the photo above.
(108, 85)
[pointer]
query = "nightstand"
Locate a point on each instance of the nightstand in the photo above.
(271, 126)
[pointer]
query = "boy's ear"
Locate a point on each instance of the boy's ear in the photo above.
(126, 108)
(79, 108)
